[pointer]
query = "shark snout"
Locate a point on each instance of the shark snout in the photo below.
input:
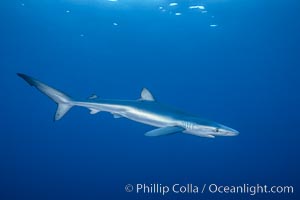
(228, 131)
(232, 132)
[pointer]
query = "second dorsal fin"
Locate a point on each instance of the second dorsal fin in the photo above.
(93, 96)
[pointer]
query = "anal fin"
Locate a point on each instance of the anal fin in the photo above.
(94, 111)
(116, 116)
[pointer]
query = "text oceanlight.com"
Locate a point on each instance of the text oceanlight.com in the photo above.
(162, 189)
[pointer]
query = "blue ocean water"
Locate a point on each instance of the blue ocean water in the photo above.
(234, 62)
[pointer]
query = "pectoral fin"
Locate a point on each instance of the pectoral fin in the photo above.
(209, 136)
(164, 131)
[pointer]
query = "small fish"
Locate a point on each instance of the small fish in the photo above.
(197, 7)
(173, 4)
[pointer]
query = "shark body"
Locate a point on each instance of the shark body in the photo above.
(144, 110)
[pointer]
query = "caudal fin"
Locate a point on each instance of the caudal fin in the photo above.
(64, 102)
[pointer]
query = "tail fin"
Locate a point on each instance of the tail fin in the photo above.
(64, 102)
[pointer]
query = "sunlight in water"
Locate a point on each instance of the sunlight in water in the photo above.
(176, 8)
(120, 2)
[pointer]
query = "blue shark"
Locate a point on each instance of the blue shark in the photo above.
(146, 110)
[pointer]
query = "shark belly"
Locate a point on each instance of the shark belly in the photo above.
(150, 118)
(145, 116)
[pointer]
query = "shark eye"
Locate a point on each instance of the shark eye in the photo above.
(217, 130)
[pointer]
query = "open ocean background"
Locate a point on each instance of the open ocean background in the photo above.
(234, 62)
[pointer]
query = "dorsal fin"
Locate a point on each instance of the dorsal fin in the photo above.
(146, 95)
